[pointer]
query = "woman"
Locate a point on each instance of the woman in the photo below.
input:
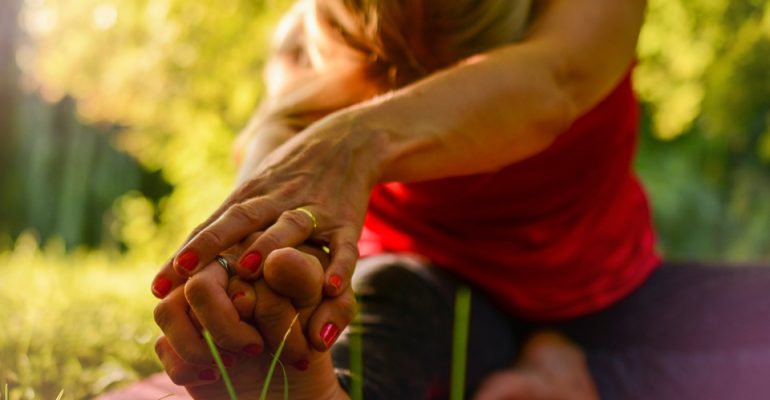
(483, 142)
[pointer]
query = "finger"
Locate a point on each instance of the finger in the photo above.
(296, 275)
(344, 253)
(171, 315)
(231, 227)
(329, 319)
(181, 372)
(291, 229)
(206, 293)
(166, 280)
(275, 316)
(241, 293)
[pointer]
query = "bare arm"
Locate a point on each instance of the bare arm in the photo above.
(503, 106)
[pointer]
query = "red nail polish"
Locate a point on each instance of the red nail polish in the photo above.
(301, 365)
(188, 260)
(336, 281)
(237, 296)
(207, 375)
(329, 333)
(161, 287)
(253, 349)
(251, 261)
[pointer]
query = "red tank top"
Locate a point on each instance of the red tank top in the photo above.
(560, 234)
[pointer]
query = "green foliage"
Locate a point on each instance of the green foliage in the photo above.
(182, 76)
(704, 74)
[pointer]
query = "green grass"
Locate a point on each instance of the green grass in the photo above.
(460, 342)
(218, 360)
(79, 323)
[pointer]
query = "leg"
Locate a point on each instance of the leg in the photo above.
(550, 367)
(690, 332)
(407, 315)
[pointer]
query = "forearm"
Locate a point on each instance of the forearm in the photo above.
(508, 104)
(476, 117)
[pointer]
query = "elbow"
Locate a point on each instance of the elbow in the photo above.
(557, 114)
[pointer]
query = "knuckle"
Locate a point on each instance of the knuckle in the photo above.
(162, 316)
(211, 237)
(226, 339)
(159, 347)
(195, 291)
(190, 354)
(347, 252)
(243, 213)
(270, 239)
(299, 222)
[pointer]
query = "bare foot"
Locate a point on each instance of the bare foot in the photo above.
(549, 368)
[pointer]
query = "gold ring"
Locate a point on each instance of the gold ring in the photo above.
(309, 214)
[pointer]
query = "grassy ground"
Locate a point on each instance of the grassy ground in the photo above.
(81, 323)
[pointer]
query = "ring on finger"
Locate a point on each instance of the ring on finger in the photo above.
(226, 265)
(309, 214)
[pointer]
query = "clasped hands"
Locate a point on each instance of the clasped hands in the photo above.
(248, 319)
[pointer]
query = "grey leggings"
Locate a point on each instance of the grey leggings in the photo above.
(690, 332)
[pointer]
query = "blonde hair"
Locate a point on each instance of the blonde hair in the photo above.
(409, 39)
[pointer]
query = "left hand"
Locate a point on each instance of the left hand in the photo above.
(328, 171)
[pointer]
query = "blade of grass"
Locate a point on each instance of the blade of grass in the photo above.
(6, 392)
(355, 344)
(277, 354)
(460, 342)
(220, 365)
(285, 381)
(60, 395)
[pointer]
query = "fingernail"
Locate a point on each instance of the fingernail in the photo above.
(207, 375)
(336, 281)
(328, 334)
(237, 296)
(227, 360)
(251, 261)
(253, 349)
(188, 260)
(301, 365)
(161, 287)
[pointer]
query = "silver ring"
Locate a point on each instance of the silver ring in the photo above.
(226, 265)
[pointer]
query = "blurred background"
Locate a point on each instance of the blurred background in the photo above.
(116, 124)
